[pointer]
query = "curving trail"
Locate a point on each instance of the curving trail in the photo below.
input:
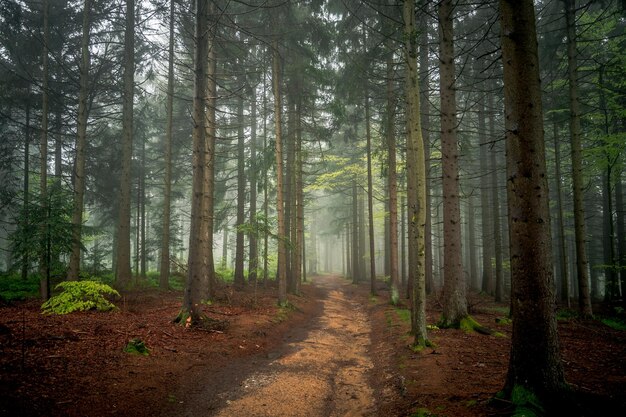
(324, 371)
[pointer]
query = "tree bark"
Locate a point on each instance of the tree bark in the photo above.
(164, 274)
(582, 263)
(44, 258)
(81, 141)
(495, 199)
(253, 263)
(239, 280)
(562, 251)
(123, 272)
(534, 362)
(455, 303)
(282, 258)
(486, 212)
(191, 312)
(208, 219)
(392, 183)
(425, 122)
(416, 179)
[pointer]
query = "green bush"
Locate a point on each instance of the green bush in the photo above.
(13, 287)
(79, 296)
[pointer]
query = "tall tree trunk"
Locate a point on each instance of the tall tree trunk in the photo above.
(81, 142)
(191, 312)
(164, 274)
(425, 121)
(471, 239)
(416, 179)
(361, 216)
(562, 251)
(370, 195)
(209, 167)
(282, 255)
(290, 210)
(123, 272)
(485, 207)
(253, 263)
(582, 263)
(265, 186)
(610, 274)
(455, 303)
(392, 183)
(296, 269)
(26, 183)
(142, 210)
(239, 279)
(495, 200)
(621, 239)
(535, 357)
(355, 232)
(44, 256)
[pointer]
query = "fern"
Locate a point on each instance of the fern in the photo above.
(79, 296)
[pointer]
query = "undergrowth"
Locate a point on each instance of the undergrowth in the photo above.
(80, 296)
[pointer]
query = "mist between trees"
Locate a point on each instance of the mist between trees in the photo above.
(189, 144)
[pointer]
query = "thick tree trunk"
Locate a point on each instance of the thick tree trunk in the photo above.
(582, 263)
(282, 255)
(425, 121)
(455, 304)
(193, 289)
(239, 279)
(44, 257)
(486, 212)
(495, 200)
(535, 357)
(123, 272)
(296, 269)
(208, 218)
(392, 183)
(355, 232)
(416, 180)
(164, 274)
(621, 239)
(81, 141)
(562, 251)
(253, 263)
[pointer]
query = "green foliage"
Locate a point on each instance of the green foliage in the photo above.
(44, 229)
(526, 402)
(614, 323)
(13, 287)
(225, 274)
(79, 296)
(566, 314)
(137, 347)
(404, 314)
(422, 412)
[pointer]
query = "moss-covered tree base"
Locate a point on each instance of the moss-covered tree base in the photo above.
(185, 318)
(468, 324)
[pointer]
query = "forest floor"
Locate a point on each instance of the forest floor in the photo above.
(336, 352)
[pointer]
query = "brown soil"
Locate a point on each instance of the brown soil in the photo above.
(338, 352)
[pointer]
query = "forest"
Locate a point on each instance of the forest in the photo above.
(312, 207)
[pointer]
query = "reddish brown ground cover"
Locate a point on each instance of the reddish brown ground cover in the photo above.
(74, 365)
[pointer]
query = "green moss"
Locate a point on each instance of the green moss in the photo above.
(468, 324)
(137, 347)
(614, 323)
(504, 321)
(526, 402)
(422, 412)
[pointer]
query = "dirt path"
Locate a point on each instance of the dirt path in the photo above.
(322, 368)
